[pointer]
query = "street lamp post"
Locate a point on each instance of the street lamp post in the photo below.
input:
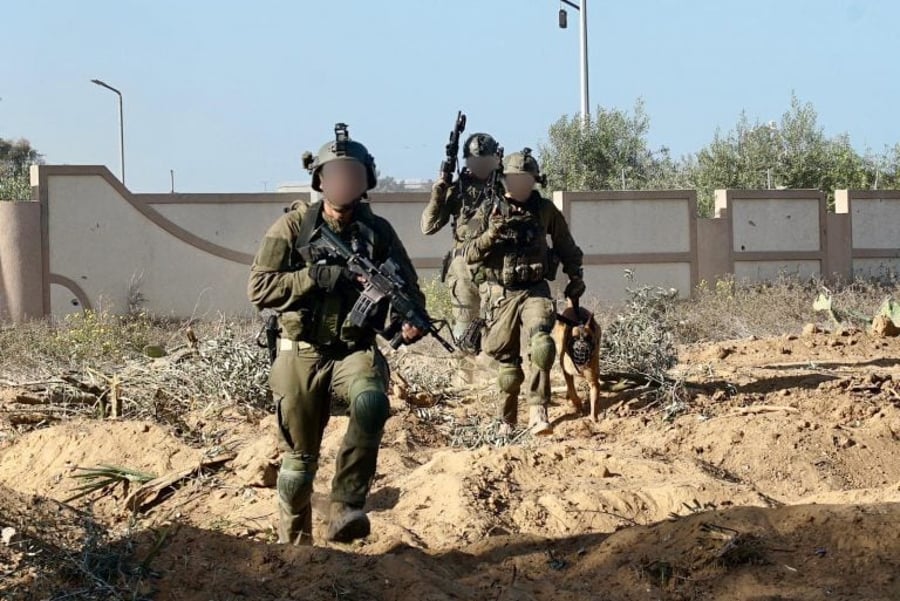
(582, 38)
(103, 84)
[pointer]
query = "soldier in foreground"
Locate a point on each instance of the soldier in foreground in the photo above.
(457, 201)
(514, 262)
(325, 346)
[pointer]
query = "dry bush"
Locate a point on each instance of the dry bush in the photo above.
(95, 364)
(639, 339)
(638, 347)
(730, 309)
(437, 299)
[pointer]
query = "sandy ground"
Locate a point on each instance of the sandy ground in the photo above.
(781, 480)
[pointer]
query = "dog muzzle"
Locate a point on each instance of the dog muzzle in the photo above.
(581, 350)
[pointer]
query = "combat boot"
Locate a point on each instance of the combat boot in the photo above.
(295, 528)
(346, 523)
(538, 422)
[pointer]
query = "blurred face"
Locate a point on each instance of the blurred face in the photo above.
(519, 185)
(482, 167)
(343, 183)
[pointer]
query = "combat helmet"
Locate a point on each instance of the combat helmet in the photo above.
(480, 145)
(523, 162)
(341, 149)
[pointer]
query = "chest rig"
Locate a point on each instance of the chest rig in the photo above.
(473, 194)
(322, 318)
(523, 247)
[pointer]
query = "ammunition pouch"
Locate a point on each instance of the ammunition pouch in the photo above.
(294, 325)
(519, 272)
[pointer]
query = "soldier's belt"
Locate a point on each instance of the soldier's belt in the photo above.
(285, 344)
(336, 350)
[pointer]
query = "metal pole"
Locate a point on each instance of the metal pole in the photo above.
(121, 139)
(103, 84)
(585, 103)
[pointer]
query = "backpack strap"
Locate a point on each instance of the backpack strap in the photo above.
(312, 217)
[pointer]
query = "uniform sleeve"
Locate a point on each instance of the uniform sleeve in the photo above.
(273, 285)
(564, 246)
(444, 203)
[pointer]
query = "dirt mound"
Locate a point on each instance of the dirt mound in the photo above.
(47, 549)
(553, 491)
(42, 462)
(800, 553)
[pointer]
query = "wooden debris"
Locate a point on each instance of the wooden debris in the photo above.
(157, 490)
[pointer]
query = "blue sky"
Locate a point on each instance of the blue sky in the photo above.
(229, 94)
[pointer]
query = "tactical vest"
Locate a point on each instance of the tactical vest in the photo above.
(520, 258)
(473, 195)
(321, 318)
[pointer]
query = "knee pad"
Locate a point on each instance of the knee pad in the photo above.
(510, 378)
(543, 351)
(371, 409)
(300, 462)
(294, 488)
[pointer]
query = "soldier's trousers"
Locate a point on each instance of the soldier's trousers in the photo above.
(303, 381)
(464, 295)
(509, 314)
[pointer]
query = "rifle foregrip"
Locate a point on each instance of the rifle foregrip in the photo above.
(397, 341)
(447, 171)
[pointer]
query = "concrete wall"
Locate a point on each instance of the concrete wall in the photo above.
(88, 242)
(101, 243)
(21, 287)
(652, 234)
(404, 211)
(775, 232)
(873, 220)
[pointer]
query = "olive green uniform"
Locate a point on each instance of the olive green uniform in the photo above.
(459, 203)
(513, 260)
(320, 354)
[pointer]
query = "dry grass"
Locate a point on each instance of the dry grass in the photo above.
(99, 364)
(728, 310)
(59, 553)
(95, 364)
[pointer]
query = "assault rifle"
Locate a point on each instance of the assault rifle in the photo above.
(381, 284)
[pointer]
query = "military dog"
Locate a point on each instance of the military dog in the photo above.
(577, 338)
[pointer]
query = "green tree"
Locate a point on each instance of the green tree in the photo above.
(793, 153)
(16, 156)
(611, 152)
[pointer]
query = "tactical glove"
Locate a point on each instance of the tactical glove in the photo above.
(575, 288)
